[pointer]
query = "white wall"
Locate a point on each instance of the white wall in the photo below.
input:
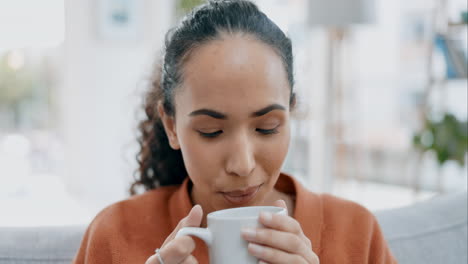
(99, 96)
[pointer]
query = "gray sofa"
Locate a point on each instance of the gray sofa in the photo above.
(434, 231)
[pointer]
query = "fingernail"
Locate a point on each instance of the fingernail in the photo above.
(195, 206)
(262, 262)
(256, 249)
(249, 233)
(266, 216)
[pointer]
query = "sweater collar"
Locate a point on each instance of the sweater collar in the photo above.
(180, 203)
(308, 209)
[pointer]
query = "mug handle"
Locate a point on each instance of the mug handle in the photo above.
(202, 233)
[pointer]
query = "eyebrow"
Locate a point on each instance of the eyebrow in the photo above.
(219, 115)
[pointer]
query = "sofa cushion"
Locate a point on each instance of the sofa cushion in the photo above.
(37, 245)
(434, 231)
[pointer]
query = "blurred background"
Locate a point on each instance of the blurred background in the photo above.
(382, 89)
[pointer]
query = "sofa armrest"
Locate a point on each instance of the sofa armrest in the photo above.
(39, 244)
(433, 231)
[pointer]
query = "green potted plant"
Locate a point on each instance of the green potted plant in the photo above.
(447, 138)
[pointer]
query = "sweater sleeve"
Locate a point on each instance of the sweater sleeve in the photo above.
(85, 248)
(98, 243)
(379, 251)
(351, 234)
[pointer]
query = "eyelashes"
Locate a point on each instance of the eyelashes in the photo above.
(210, 135)
(268, 131)
(259, 130)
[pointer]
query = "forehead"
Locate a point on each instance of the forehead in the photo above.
(232, 71)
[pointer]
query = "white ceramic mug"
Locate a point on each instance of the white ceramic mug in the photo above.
(223, 234)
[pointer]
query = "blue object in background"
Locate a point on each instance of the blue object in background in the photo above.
(441, 44)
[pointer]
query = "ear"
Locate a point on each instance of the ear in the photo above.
(169, 127)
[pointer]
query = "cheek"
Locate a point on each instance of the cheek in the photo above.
(272, 154)
(199, 157)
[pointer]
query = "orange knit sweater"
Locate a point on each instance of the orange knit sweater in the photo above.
(129, 231)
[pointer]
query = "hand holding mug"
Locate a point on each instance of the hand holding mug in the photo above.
(223, 233)
(281, 240)
(179, 250)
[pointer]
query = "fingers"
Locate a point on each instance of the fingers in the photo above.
(279, 240)
(193, 219)
(280, 222)
(178, 250)
(190, 260)
(271, 255)
(283, 223)
(281, 203)
(152, 260)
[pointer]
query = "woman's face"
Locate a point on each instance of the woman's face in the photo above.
(232, 122)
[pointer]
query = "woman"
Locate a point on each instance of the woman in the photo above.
(216, 136)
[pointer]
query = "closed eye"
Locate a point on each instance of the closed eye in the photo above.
(259, 130)
(268, 131)
(210, 135)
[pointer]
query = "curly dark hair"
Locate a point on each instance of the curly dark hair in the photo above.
(159, 164)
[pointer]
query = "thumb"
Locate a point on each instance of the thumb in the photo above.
(282, 204)
(194, 218)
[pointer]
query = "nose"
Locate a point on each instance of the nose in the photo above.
(241, 158)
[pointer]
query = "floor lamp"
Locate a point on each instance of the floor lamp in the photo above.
(336, 16)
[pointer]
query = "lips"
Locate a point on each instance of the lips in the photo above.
(242, 196)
